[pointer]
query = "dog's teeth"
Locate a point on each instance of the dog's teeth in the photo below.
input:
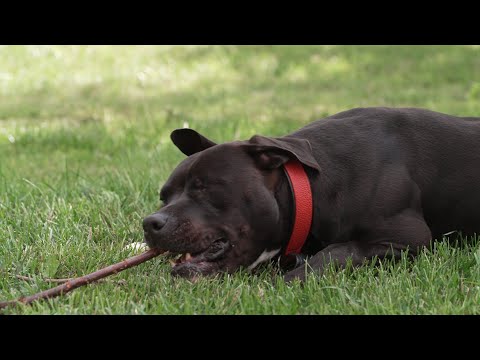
(188, 257)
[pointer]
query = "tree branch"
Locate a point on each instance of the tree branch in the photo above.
(74, 283)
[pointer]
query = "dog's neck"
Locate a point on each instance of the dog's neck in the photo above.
(286, 207)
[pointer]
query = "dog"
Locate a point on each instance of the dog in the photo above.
(382, 181)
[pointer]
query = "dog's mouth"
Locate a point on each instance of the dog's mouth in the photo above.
(189, 263)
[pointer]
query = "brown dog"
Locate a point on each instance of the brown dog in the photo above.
(383, 180)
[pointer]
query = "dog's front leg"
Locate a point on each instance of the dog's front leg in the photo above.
(339, 255)
(405, 231)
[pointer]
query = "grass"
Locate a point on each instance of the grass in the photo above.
(84, 148)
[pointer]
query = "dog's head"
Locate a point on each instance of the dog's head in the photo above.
(220, 207)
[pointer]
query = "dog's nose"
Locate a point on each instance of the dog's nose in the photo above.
(154, 223)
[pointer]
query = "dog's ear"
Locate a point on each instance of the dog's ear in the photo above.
(189, 141)
(270, 153)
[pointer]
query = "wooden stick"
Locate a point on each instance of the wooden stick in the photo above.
(86, 279)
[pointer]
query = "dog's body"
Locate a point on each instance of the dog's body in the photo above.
(383, 180)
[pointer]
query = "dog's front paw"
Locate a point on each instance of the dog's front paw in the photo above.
(298, 273)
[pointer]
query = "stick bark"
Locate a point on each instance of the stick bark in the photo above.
(86, 279)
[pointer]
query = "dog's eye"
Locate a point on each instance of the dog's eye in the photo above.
(164, 193)
(163, 200)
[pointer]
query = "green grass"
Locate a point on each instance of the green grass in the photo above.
(84, 149)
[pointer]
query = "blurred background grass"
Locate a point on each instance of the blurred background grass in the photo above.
(84, 130)
(111, 100)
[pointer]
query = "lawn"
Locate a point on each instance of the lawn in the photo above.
(84, 149)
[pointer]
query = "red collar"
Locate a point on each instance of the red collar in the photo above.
(302, 198)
